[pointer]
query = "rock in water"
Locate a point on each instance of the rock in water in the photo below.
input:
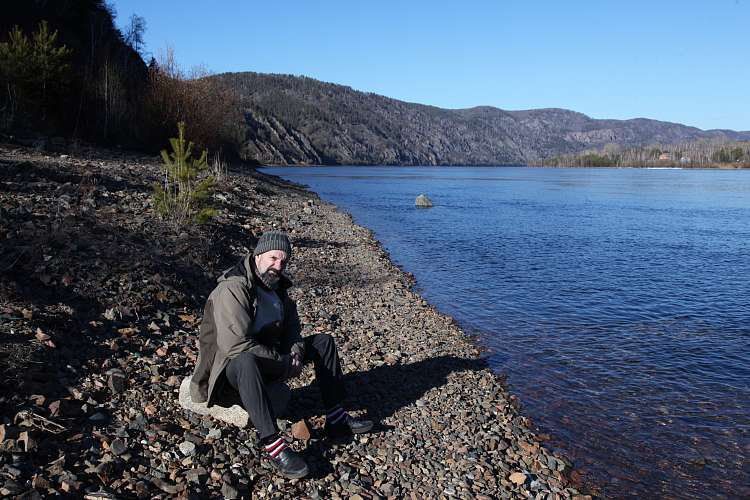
(423, 201)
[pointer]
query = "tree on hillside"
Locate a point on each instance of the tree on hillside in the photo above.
(134, 33)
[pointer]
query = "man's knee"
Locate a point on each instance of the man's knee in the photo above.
(245, 363)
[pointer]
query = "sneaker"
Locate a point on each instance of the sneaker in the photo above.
(348, 426)
(289, 464)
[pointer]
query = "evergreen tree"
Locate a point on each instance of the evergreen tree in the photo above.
(32, 72)
(134, 35)
(184, 196)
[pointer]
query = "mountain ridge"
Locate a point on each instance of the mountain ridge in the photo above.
(298, 120)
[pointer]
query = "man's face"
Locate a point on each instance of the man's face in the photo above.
(270, 265)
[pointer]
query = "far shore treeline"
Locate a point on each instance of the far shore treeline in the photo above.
(68, 75)
(697, 154)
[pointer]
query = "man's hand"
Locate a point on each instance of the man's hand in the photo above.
(295, 365)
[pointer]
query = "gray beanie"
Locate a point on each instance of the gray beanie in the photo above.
(273, 240)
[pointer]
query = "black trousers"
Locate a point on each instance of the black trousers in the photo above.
(249, 375)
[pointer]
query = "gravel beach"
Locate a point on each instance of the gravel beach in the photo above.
(100, 302)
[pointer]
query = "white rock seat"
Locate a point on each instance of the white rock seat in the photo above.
(278, 392)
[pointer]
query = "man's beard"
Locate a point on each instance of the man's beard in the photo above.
(271, 278)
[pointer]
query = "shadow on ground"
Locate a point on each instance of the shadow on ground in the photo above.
(379, 392)
(384, 390)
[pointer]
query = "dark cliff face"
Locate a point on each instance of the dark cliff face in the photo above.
(299, 120)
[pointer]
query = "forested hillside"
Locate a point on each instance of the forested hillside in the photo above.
(80, 79)
(299, 120)
(68, 74)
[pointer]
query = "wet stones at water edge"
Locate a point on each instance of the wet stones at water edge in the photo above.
(423, 201)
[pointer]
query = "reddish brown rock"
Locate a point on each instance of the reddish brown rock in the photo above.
(301, 431)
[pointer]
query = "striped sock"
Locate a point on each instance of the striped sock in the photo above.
(275, 447)
(336, 415)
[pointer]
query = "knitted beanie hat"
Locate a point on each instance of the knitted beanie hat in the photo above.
(273, 240)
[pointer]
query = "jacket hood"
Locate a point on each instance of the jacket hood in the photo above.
(243, 270)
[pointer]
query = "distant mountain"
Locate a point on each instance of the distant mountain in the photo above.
(299, 120)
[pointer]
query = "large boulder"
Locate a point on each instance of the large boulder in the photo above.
(278, 392)
(423, 201)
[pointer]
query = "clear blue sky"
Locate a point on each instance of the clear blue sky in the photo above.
(685, 61)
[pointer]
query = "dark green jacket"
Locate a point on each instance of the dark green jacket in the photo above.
(226, 326)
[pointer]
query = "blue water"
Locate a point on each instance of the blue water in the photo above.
(617, 301)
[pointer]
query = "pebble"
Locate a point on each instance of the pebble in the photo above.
(116, 381)
(187, 448)
(164, 486)
(195, 475)
(518, 477)
(117, 447)
(229, 491)
(301, 431)
(10, 487)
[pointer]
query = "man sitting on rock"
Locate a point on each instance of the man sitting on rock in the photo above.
(250, 337)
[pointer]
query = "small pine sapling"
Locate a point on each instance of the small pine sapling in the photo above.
(184, 196)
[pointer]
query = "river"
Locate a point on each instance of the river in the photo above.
(617, 302)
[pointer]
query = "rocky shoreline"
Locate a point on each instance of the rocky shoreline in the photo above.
(100, 301)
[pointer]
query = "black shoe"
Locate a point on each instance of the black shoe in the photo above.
(290, 464)
(348, 427)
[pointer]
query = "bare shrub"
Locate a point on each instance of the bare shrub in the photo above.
(219, 168)
(209, 108)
